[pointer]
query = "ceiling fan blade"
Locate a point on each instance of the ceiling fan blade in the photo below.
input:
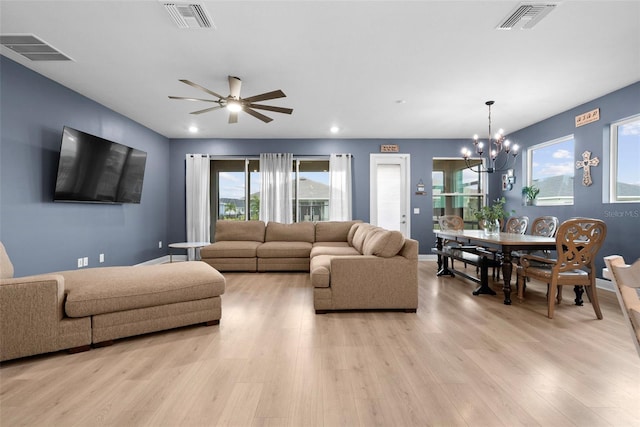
(206, 110)
(234, 87)
(271, 108)
(194, 99)
(204, 89)
(233, 117)
(264, 96)
(257, 115)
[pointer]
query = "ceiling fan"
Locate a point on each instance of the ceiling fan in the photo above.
(234, 103)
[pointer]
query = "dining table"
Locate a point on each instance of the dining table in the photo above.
(504, 245)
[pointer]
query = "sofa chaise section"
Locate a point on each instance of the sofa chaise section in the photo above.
(127, 301)
(70, 310)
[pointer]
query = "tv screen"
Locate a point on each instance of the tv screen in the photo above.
(94, 170)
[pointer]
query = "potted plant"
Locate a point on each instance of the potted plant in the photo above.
(490, 216)
(529, 193)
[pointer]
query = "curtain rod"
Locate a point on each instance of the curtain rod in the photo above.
(295, 156)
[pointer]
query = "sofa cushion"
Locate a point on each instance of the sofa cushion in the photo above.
(297, 232)
(109, 289)
(284, 250)
(361, 234)
(6, 267)
(333, 248)
(352, 232)
(383, 243)
(229, 230)
(333, 231)
(230, 249)
(320, 268)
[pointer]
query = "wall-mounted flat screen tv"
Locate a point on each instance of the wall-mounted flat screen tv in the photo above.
(95, 170)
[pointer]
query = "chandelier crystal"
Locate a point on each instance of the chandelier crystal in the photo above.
(500, 155)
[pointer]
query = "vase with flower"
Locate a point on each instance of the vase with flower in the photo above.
(490, 217)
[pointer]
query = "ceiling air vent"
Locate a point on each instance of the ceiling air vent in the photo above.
(189, 15)
(32, 47)
(525, 16)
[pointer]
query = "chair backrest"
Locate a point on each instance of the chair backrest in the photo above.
(450, 222)
(626, 280)
(545, 226)
(577, 243)
(517, 225)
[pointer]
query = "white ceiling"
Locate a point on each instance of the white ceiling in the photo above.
(343, 63)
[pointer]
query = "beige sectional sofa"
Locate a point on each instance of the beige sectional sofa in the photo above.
(75, 309)
(353, 265)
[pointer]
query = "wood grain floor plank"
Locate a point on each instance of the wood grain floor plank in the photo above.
(460, 360)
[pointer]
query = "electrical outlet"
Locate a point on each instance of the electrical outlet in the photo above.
(160, 244)
(79, 262)
(101, 258)
(85, 261)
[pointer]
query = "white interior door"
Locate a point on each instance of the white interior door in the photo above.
(390, 201)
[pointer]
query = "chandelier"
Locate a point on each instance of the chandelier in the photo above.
(500, 155)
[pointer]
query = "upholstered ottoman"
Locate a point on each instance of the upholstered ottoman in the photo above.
(127, 301)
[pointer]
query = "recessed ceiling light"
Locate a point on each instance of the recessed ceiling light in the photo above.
(193, 129)
(334, 129)
(401, 101)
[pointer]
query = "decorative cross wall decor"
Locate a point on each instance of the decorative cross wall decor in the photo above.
(586, 164)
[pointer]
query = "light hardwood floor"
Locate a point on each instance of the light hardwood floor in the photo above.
(459, 361)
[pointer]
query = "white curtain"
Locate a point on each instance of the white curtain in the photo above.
(340, 187)
(198, 206)
(276, 189)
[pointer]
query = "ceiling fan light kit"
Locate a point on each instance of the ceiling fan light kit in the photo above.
(234, 103)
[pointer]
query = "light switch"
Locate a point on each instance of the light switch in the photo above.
(416, 211)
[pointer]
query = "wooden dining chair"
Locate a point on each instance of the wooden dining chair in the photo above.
(545, 226)
(449, 223)
(578, 241)
(517, 224)
(626, 281)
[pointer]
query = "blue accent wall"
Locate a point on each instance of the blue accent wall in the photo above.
(43, 236)
(422, 153)
(622, 219)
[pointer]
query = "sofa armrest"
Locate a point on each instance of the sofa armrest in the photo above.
(31, 309)
(368, 281)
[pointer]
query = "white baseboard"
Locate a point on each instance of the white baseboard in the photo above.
(604, 284)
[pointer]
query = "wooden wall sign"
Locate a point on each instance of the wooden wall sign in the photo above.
(389, 148)
(589, 117)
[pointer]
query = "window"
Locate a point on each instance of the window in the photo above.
(550, 167)
(456, 190)
(229, 199)
(312, 190)
(624, 179)
(236, 181)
